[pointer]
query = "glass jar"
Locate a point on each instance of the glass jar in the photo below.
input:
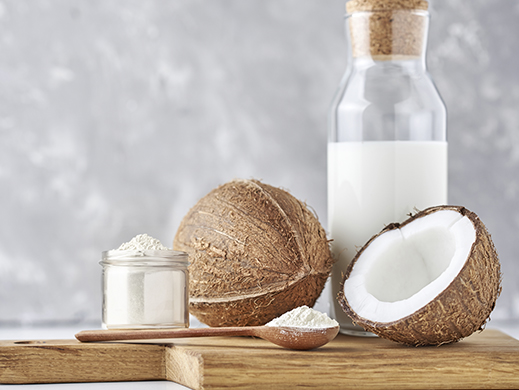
(145, 289)
(387, 150)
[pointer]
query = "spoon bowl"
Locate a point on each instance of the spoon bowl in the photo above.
(300, 338)
(291, 337)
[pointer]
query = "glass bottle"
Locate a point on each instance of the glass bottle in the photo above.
(387, 150)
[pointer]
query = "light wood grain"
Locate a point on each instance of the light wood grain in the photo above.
(485, 360)
(57, 361)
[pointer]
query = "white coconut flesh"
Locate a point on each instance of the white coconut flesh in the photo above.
(404, 269)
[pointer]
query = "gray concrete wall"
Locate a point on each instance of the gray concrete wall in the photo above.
(117, 116)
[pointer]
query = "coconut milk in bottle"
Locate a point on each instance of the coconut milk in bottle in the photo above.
(387, 150)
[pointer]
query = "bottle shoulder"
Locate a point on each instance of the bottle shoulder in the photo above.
(401, 87)
(387, 103)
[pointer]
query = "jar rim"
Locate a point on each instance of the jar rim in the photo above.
(147, 256)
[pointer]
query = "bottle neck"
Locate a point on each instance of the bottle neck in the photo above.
(388, 38)
(408, 65)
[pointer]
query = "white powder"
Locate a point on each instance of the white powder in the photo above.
(304, 317)
(143, 290)
(142, 242)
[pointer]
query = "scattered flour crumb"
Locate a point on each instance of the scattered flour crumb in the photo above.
(304, 317)
(143, 242)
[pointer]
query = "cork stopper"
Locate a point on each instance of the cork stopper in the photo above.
(384, 5)
(387, 29)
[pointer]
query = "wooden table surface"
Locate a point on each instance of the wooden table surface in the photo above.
(489, 359)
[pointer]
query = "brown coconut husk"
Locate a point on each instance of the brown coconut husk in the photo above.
(461, 309)
(256, 252)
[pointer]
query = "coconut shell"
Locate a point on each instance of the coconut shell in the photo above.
(256, 252)
(458, 311)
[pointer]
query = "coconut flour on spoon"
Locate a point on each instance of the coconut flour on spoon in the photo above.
(304, 317)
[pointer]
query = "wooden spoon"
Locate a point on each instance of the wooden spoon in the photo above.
(285, 336)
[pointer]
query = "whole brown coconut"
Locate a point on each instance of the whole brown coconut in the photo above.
(431, 280)
(256, 252)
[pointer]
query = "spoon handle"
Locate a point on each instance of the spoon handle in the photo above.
(146, 334)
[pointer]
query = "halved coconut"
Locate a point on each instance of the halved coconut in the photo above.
(431, 280)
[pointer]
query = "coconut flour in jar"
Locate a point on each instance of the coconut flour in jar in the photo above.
(145, 285)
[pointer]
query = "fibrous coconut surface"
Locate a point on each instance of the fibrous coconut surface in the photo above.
(256, 252)
(431, 280)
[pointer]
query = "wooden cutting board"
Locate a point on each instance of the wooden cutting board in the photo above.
(488, 359)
